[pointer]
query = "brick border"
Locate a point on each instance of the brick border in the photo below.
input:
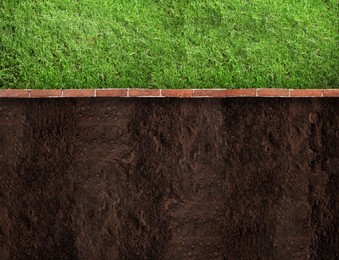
(178, 93)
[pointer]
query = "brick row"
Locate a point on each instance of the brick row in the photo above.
(178, 93)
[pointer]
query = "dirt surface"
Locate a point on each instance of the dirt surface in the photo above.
(235, 178)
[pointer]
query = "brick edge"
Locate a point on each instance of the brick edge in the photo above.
(178, 93)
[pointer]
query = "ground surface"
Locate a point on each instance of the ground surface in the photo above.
(169, 178)
(169, 44)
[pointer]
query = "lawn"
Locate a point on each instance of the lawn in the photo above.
(169, 43)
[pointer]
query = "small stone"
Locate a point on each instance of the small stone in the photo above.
(313, 118)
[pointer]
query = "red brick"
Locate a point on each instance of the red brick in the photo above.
(144, 92)
(177, 92)
(44, 93)
(224, 92)
(14, 93)
(79, 93)
(331, 92)
(306, 92)
(250, 92)
(209, 92)
(273, 92)
(117, 92)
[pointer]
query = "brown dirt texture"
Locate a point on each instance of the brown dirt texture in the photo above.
(151, 178)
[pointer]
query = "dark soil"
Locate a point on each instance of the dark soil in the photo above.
(236, 178)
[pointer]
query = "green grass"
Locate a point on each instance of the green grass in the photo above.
(169, 43)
